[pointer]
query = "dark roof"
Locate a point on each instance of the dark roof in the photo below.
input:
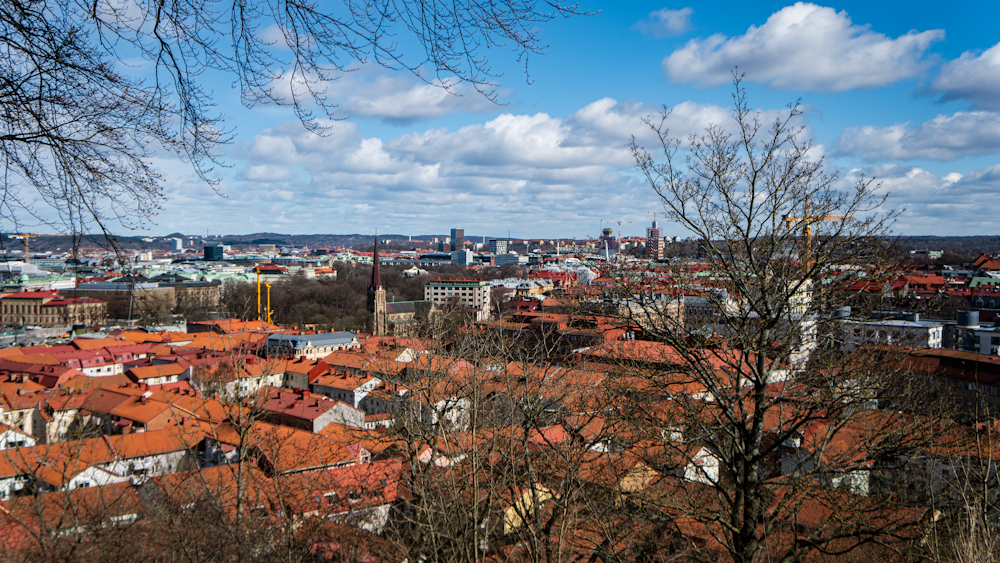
(298, 341)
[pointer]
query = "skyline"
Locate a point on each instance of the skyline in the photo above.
(907, 97)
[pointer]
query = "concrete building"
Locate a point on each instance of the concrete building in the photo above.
(654, 242)
(471, 294)
(49, 309)
(909, 331)
(178, 244)
(498, 246)
(510, 259)
(457, 239)
(463, 257)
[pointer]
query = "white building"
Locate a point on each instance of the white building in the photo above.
(472, 294)
(915, 333)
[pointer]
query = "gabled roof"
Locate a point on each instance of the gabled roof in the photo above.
(161, 370)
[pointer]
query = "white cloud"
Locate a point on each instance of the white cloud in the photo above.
(371, 91)
(971, 77)
(947, 205)
(265, 173)
(804, 47)
(535, 174)
(944, 138)
(666, 22)
(609, 121)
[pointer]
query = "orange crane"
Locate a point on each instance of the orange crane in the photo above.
(27, 238)
(806, 219)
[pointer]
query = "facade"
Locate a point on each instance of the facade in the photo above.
(654, 242)
(463, 257)
(510, 259)
(49, 309)
(457, 239)
(310, 346)
(498, 246)
(139, 298)
(989, 339)
(471, 294)
(915, 333)
(214, 253)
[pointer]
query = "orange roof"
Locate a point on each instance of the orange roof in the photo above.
(10, 352)
(161, 370)
(139, 336)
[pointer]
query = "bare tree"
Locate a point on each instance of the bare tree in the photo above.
(79, 127)
(776, 446)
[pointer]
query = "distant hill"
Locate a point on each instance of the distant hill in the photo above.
(987, 244)
(973, 244)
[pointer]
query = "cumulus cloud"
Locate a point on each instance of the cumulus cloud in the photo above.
(971, 77)
(371, 91)
(537, 173)
(804, 47)
(944, 138)
(609, 121)
(949, 204)
(666, 22)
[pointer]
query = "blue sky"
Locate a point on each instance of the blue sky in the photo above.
(909, 93)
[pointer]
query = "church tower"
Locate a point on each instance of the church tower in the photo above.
(376, 299)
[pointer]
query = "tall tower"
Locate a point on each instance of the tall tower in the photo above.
(654, 242)
(376, 299)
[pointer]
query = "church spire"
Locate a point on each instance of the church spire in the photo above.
(376, 278)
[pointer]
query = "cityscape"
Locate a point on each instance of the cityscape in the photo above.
(515, 282)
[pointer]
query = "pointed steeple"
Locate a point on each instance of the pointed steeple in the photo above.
(376, 278)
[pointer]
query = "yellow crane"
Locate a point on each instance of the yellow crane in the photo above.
(269, 311)
(806, 220)
(27, 239)
(260, 312)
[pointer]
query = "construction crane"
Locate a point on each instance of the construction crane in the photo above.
(269, 311)
(258, 292)
(27, 238)
(620, 228)
(806, 219)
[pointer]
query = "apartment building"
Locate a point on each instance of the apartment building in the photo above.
(49, 309)
(472, 294)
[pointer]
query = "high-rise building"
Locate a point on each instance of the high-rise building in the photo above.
(214, 253)
(498, 246)
(178, 244)
(457, 239)
(654, 242)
